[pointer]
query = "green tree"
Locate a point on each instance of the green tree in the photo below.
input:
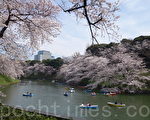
(32, 62)
(55, 63)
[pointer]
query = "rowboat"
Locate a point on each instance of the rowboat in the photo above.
(116, 104)
(28, 95)
(89, 106)
(88, 90)
(110, 94)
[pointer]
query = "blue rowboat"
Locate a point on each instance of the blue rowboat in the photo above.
(88, 90)
(89, 107)
(28, 95)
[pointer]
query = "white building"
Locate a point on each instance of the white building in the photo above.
(43, 55)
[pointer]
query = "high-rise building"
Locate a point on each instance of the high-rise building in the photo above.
(43, 55)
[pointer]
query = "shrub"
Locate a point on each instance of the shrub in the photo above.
(141, 38)
(126, 41)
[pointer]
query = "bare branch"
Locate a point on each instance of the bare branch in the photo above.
(96, 13)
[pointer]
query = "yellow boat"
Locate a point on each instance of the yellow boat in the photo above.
(116, 104)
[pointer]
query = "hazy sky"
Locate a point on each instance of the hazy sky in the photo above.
(75, 37)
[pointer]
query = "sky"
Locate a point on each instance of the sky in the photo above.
(75, 37)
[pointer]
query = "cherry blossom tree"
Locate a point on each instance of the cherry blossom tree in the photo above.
(118, 68)
(38, 69)
(29, 22)
(12, 68)
(24, 25)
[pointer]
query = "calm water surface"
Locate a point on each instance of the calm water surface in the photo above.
(49, 97)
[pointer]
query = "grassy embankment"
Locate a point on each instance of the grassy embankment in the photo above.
(5, 80)
(9, 113)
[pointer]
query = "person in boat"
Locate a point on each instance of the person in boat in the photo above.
(93, 93)
(82, 104)
(66, 93)
(88, 104)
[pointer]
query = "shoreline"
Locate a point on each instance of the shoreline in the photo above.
(27, 114)
(10, 83)
(6, 80)
(142, 92)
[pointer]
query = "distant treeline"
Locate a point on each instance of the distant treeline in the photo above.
(55, 63)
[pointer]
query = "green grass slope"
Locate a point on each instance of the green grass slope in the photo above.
(10, 113)
(5, 80)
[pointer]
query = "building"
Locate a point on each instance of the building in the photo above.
(43, 55)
